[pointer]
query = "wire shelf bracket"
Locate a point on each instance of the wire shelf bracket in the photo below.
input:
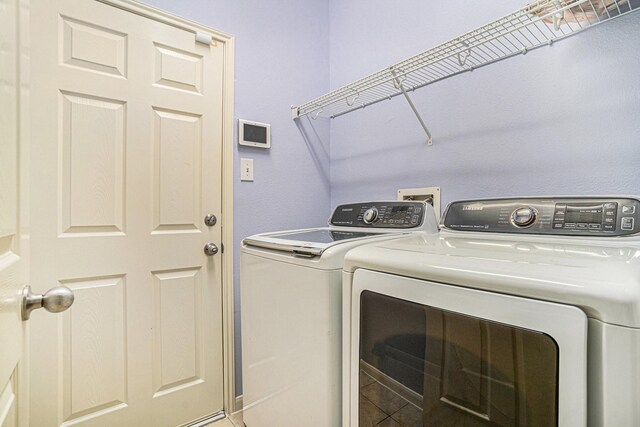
(540, 23)
(398, 84)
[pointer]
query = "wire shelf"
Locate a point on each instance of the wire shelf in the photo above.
(540, 23)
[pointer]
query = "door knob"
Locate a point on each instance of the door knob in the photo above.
(210, 220)
(210, 249)
(54, 300)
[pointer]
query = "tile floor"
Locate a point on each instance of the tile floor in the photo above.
(379, 407)
(382, 407)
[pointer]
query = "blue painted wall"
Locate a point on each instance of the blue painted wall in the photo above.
(281, 58)
(560, 120)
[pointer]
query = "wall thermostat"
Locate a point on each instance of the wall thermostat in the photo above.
(254, 134)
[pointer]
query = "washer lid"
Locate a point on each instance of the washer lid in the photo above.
(322, 235)
(602, 277)
(310, 242)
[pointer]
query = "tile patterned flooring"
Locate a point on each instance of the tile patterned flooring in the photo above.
(381, 407)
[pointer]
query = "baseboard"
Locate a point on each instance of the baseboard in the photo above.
(210, 419)
(238, 404)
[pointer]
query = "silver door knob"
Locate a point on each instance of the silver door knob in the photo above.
(210, 220)
(54, 300)
(210, 249)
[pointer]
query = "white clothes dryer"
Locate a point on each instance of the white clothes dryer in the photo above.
(520, 312)
(291, 289)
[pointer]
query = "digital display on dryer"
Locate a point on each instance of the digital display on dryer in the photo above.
(584, 213)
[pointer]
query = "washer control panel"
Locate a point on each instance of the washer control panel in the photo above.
(572, 216)
(395, 214)
(524, 217)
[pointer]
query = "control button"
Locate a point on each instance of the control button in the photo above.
(414, 219)
(627, 223)
(570, 225)
(561, 206)
(418, 209)
(523, 217)
(610, 213)
(628, 209)
(582, 225)
(609, 220)
(610, 205)
(557, 225)
(595, 226)
(370, 215)
(609, 227)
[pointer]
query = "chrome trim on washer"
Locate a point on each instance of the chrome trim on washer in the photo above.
(288, 247)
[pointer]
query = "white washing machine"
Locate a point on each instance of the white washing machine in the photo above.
(291, 289)
(520, 312)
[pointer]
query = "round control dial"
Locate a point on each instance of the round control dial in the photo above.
(523, 217)
(370, 215)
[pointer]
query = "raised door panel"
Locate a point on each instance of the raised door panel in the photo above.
(8, 404)
(178, 333)
(178, 69)
(94, 345)
(93, 48)
(178, 170)
(92, 164)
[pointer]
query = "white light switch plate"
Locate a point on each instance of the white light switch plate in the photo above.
(246, 169)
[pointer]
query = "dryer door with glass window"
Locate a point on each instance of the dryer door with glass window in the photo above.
(436, 355)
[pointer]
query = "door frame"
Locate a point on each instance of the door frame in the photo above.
(226, 216)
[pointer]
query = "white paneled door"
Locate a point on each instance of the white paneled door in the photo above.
(125, 164)
(13, 247)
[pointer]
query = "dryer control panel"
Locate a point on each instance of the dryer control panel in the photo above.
(568, 216)
(394, 214)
